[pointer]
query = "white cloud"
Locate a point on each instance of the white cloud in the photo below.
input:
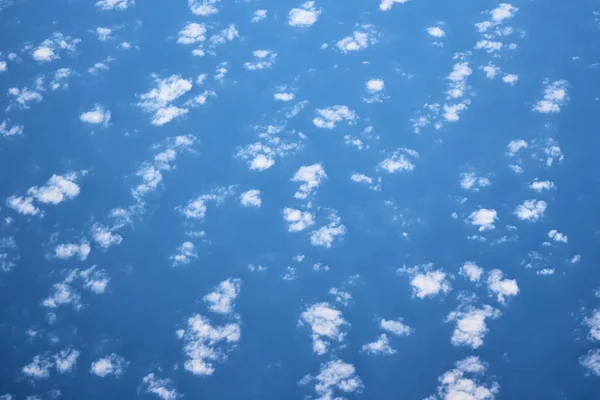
(261, 162)
(334, 375)
(66, 360)
(163, 388)
(14, 130)
(97, 115)
(103, 33)
(490, 70)
(361, 178)
(593, 322)
(396, 327)
(25, 96)
(221, 71)
(222, 300)
(48, 50)
(328, 118)
(251, 198)
(555, 96)
(501, 287)
(205, 344)
(531, 210)
(263, 59)
(557, 236)
(462, 382)
(112, 364)
(341, 296)
(60, 79)
(591, 361)
(514, 146)
(39, 368)
(436, 32)
(546, 271)
(470, 181)
(510, 79)
(104, 237)
(483, 218)
(192, 33)
(386, 5)
(576, 258)
(375, 85)
(489, 45)
(326, 325)
(115, 4)
(203, 8)
(298, 220)
(158, 100)
(470, 327)
(284, 96)
(69, 250)
(95, 280)
(458, 79)
(3, 66)
(62, 294)
(310, 177)
(326, 235)
(361, 39)
(196, 208)
(498, 15)
(471, 271)
(400, 160)
(226, 35)
(304, 16)
(380, 346)
(539, 186)
(427, 282)
(184, 254)
(259, 15)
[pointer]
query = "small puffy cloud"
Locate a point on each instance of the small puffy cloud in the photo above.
(593, 322)
(97, 115)
(284, 96)
(531, 210)
(226, 35)
(470, 327)
(310, 177)
(2, 66)
(427, 282)
(196, 208)
(326, 325)
(66, 251)
(470, 181)
(222, 300)
(158, 100)
(192, 33)
(463, 382)
(395, 327)
(576, 258)
(335, 375)
(261, 162)
(304, 16)
(114, 4)
(380, 346)
(540, 186)
(103, 33)
(555, 96)
(510, 79)
(326, 235)
(259, 15)
(502, 288)
(341, 296)
(458, 80)
(362, 38)
(94, 280)
(400, 160)
(436, 32)
(498, 15)
(591, 361)
(48, 50)
(263, 59)
(471, 271)
(206, 344)
(514, 146)
(184, 254)
(328, 118)
(489, 45)
(557, 236)
(163, 388)
(203, 8)
(386, 5)
(483, 218)
(23, 97)
(39, 368)
(104, 237)
(66, 360)
(14, 130)
(491, 71)
(22, 205)
(62, 294)
(361, 178)
(251, 198)
(43, 54)
(112, 364)
(298, 220)
(375, 85)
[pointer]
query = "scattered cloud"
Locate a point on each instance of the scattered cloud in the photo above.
(97, 115)
(14, 130)
(298, 220)
(163, 388)
(120, 5)
(386, 5)
(362, 38)
(222, 300)
(540, 186)
(66, 251)
(326, 324)
(436, 32)
(326, 235)
(514, 146)
(159, 99)
(483, 218)
(304, 16)
(502, 288)
(426, 281)
(284, 96)
(470, 329)
(342, 297)
(335, 375)
(203, 8)
(510, 79)
(395, 327)
(593, 322)
(112, 364)
(555, 96)
(471, 271)
(591, 361)
(103, 33)
(380, 346)
(310, 177)
(104, 237)
(263, 59)
(400, 160)
(48, 50)
(470, 181)
(463, 382)
(251, 198)
(196, 208)
(531, 210)
(491, 71)
(557, 236)
(328, 118)
(184, 254)
(259, 15)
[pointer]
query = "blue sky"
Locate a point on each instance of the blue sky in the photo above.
(276, 199)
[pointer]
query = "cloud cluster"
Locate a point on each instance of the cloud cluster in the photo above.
(222, 300)
(328, 118)
(64, 361)
(555, 96)
(326, 325)
(304, 16)
(426, 281)
(464, 382)
(471, 328)
(159, 100)
(112, 364)
(335, 375)
(363, 37)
